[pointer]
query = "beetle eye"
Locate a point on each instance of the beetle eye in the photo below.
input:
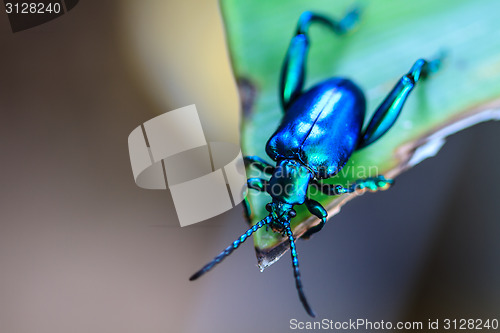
(292, 213)
(269, 207)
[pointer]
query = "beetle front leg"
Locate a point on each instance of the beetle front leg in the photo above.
(389, 110)
(293, 71)
(260, 164)
(372, 184)
(317, 210)
(258, 184)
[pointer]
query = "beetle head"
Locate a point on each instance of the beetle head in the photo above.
(280, 213)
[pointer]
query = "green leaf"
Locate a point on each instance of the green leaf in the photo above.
(391, 36)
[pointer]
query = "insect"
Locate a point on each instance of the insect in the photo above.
(320, 130)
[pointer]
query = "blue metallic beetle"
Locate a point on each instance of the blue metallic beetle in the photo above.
(320, 130)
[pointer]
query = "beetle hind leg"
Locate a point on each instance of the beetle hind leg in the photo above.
(293, 71)
(391, 107)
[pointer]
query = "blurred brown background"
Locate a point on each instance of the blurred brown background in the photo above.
(82, 249)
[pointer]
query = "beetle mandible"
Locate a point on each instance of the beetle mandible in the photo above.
(320, 130)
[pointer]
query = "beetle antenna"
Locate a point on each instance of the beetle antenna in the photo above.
(228, 250)
(296, 273)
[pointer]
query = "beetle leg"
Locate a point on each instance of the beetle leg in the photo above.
(258, 184)
(260, 164)
(318, 210)
(293, 71)
(389, 110)
(372, 184)
(331, 189)
(247, 209)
